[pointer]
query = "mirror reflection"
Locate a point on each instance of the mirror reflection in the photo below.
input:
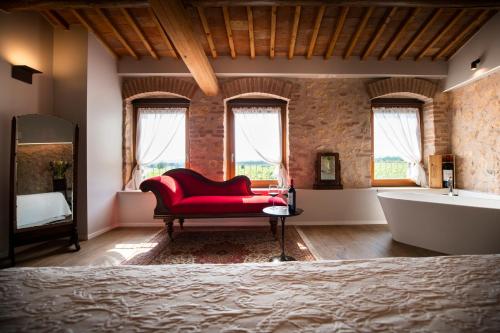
(44, 170)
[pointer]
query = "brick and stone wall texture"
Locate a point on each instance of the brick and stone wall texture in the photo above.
(475, 140)
(323, 115)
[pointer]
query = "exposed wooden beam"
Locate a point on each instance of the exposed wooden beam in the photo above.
(14, 5)
(117, 34)
(131, 21)
(229, 31)
(163, 34)
(314, 36)
(351, 3)
(399, 32)
(380, 30)
(359, 30)
(295, 28)
(420, 32)
(440, 34)
(56, 20)
(177, 23)
(338, 29)
(251, 38)
(90, 28)
(273, 32)
(469, 27)
(206, 28)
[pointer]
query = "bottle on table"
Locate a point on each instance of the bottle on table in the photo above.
(292, 198)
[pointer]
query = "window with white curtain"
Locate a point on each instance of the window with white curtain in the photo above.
(397, 144)
(256, 135)
(160, 140)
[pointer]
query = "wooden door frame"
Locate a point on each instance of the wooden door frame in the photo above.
(230, 137)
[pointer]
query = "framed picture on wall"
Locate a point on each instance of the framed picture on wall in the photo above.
(328, 171)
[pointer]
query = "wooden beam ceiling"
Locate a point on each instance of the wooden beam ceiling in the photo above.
(419, 34)
(470, 26)
(359, 31)
(338, 29)
(378, 33)
(351, 3)
(448, 25)
(176, 22)
(251, 38)
(90, 28)
(314, 37)
(117, 34)
(295, 28)
(399, 32)
(162, 33)
(206, 28)
(131, 21)
(56, 20)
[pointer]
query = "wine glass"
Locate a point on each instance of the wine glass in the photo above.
(273, 191)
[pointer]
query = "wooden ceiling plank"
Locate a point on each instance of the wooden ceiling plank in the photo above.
(338, 29)
(208, 34)
(295, 28)
(229, 31)
(131, 21)
(441, 33)
(359, 31)
(314, 37)
(354, 3)
(251, 37)
(470, 26)
(273, 32)
(163, 34)
(117, 34)
(90, 28)
(55, 19)
(380, 30)
(399, 32)
(420, 32)
(177, 23)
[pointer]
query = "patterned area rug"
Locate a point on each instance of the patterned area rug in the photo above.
(221, 246)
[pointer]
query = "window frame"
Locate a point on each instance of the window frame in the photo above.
(159, 103)
(393, 102)
(230, 134)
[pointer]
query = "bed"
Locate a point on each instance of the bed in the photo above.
(438, 294)
(41, 208)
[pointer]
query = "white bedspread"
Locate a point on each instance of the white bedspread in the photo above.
(41, 208)
(437, 294)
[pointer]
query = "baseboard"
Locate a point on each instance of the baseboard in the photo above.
(100, 232)
(224, 222)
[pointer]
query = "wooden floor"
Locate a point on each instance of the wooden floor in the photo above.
(326, 242)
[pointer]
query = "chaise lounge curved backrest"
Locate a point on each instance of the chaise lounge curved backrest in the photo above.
(184, 193)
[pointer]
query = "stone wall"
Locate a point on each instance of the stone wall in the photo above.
(475, 119)
(323, 115)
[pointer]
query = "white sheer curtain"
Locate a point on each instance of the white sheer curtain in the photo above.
(157, 129)
(400, 128)
(262, 129)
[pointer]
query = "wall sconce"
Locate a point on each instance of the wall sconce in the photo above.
(24, 73)
(473, 65)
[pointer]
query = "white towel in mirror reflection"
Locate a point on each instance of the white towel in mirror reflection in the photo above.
(41, 208)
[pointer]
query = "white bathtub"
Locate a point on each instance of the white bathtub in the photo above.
(465, 224)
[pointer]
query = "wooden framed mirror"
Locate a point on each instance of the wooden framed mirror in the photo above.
(43, 181)
(328, 172)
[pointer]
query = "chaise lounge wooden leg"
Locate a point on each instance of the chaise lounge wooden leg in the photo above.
(169, 223)
(273, 221)
(181, 222)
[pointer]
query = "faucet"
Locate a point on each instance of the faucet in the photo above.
(450, 187)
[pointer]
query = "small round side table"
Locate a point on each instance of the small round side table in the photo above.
(282, 212)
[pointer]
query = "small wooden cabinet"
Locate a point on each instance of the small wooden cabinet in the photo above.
(441, 167)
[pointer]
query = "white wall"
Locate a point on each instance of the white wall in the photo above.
(70, 101)
(104, 138)
(485, 44)
(25, 39)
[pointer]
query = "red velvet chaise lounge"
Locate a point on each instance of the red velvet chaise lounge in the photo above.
(185, 194)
